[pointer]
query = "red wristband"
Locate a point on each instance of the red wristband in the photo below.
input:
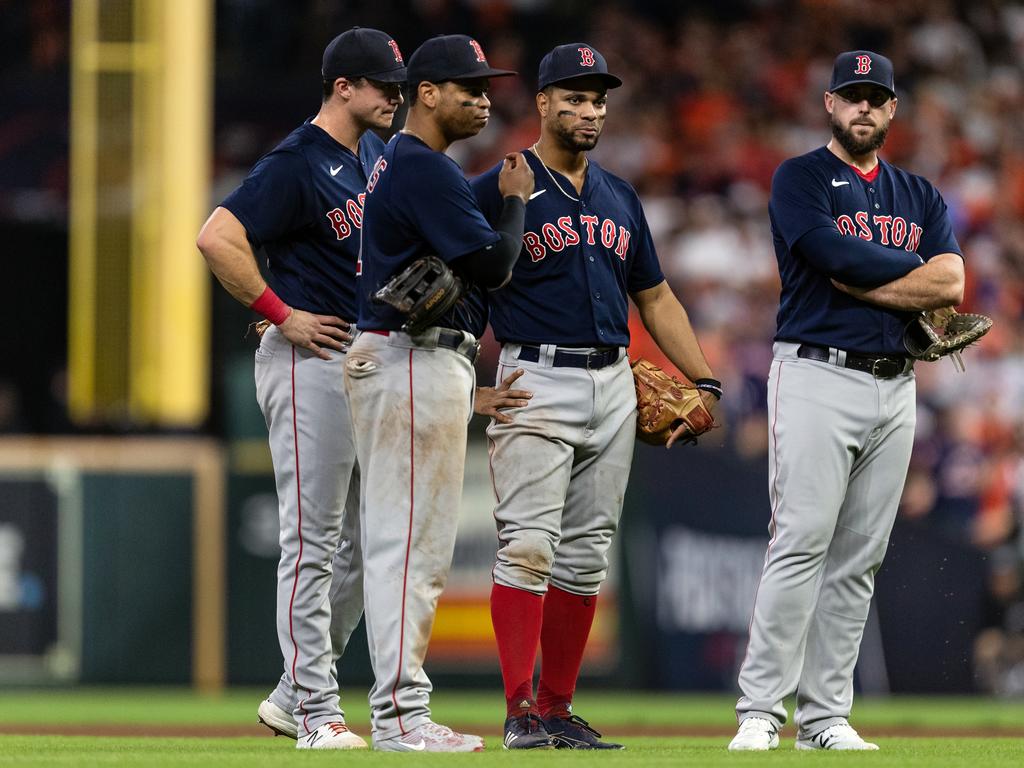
(271, 307)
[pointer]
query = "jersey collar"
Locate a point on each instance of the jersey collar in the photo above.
(327, 141)
(871, 175)
(540, 171)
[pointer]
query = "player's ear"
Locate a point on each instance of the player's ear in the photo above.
(543, 103)
(892, 107)
(830, 102)
(343, 87)
(429, 94)
(330, 88)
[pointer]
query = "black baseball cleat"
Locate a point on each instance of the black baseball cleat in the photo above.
(573, 732)
(526, 731)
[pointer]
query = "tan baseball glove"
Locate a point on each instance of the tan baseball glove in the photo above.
(941, 332)
(663, 403)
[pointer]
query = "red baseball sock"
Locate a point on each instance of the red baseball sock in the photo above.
(563, 638)
(516, 616)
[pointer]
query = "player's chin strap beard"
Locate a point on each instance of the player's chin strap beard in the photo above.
(551, 176)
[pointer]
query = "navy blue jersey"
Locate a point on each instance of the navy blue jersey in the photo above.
(579, 261)
(897, 210)
(302, 203)
(418, 203)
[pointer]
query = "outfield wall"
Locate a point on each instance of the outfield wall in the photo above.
(153, 561)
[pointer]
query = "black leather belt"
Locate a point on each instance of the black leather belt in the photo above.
(448, 338)
(880, 367)
(456, 340)
(564, 358)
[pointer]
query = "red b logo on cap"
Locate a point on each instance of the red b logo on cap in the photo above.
(394, 48)
(586, 57)
(863, 65)
(479, 51)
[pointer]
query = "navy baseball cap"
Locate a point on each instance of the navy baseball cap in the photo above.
(450, 57)
(855, 67)
(364, 52)
(574, 60)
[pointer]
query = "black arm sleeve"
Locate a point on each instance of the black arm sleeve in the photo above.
(854, 261)
(491, 266)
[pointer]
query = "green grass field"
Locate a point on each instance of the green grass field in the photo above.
(658, 729)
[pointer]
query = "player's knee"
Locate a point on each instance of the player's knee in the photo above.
(583, 576)
(810, 543)
(848, 599)
(527, 559)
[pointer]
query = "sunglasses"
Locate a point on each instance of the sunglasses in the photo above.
(876, 97)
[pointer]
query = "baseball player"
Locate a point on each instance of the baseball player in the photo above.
(861, 245)
(411, 395)
(302, 203)
(560, 469)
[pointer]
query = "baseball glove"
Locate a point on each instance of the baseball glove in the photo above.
(663, 403)
(423, 291)
(942, 332)
(259, 328)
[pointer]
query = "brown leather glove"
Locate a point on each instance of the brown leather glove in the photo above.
(663, 403)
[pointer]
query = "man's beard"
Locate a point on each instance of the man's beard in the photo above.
(857, 147)
(569, 140)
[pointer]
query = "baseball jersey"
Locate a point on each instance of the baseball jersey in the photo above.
(302, 203)
(902, 212)
(580, 259)
(418, 203)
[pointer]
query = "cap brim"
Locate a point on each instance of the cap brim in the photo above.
(885, 88)
(611, 81)
(398, 75)
(485, 72)
(474, 74)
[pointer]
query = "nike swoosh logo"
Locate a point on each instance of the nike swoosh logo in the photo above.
(838, 183)
(334, 171)
(538, 193)
(414, 747)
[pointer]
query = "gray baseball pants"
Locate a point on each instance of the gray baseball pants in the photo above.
(560, 471)
(839, 447)
(319, 575)
(411, 401)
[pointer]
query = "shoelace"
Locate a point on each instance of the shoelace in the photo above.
(338, 727)
(531, 722)
(438, 730)
(579, 721)
(751, 724)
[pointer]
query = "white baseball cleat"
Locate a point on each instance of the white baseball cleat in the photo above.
(431, 737)
(838, 736)
(276, 719)
(755, 734)
(331, 736)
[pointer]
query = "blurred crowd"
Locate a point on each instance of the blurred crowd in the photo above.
(715, 97)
